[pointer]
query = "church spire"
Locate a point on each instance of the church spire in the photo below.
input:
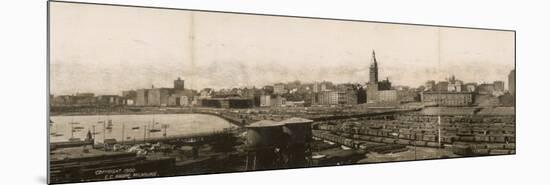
(374, 58)
(373, 69)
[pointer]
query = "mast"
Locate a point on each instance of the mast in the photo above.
(439, 130)
(72, 128)
(122, 133)
(104, 135)
(144, 132)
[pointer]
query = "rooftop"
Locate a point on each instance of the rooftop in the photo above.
(265, 123)
(498, 111)
(296, 120)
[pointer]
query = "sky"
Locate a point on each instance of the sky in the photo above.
(108, 49)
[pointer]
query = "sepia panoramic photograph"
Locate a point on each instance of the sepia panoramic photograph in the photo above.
(137, 92)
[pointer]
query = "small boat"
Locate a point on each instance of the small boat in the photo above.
(74, 123)
(57, 135)
(95, 133)
(154, 130)
(78, 128)
(135, 128)
(74, 139)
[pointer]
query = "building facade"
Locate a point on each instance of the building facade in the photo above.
(265, 100)
(389, 96)
(512, 82)
(430, 85)
(279, 88)
(499, 86)
(448, 98)
(179, 84)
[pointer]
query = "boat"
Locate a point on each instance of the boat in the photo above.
(78, 128)
(154, 130)
(135, 128)
(74, 139)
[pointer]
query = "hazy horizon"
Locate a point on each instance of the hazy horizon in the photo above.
(108, 49)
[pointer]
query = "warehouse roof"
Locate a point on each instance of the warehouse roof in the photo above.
(265, 123)
(294, 120)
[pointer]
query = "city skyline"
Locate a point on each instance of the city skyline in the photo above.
(107, 50)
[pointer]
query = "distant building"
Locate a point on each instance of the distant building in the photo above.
(442, 86)
(142, 97)
(63, 100)
(485, 88)
(206, 93)
(378, 91)
(179, 84)
(499, 86)
(277, 101)
(372, 92)
(512, 82)
(265, 100)
(454, 85)
(347, 94)
(177, 96)
(268, 89)
(327, 98)
(348, 97)
(231, 102)
(279, 89)
(129, 97)
(470, 87)
(84, 99)
(85, 94)
(180, 97)
(109, 100)
(387, 96)
(448, 98)
(158, 97)
(361, 95)
(384, 85)
(405, 96)
(430, 85)
(316, 87)
(341, 96)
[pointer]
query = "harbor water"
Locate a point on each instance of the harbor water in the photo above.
(130, 127)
